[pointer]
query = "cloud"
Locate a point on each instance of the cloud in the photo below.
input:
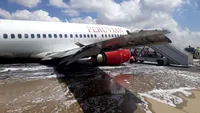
(133, 14)
(88, 20)
(71, 12)
(58, 3)
(26, 3)
(139, 14)
(4, 13)
(27, 15)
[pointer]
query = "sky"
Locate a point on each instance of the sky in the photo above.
(181, 17)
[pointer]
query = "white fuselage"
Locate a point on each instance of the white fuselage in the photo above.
(16, 36)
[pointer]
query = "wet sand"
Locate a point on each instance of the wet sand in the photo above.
(49, 95)
(133, 88)
(190, 104)
(46, 96)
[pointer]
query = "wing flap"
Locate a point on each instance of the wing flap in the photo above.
(137, 38)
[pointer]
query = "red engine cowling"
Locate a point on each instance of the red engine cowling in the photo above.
(113, 57)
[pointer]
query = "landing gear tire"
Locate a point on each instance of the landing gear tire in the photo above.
(160, 62)
(94, 64)
(131, 61)
(141, 61)
(167, 64)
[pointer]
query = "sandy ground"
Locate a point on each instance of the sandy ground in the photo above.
(135, 88)
(189, 105)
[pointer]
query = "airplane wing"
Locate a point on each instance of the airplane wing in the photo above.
(132, 39)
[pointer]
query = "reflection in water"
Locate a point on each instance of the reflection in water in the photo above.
(97, 92)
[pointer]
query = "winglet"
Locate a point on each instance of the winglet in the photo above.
(166, 31)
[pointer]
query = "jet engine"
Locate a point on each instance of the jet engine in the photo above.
(113, 57)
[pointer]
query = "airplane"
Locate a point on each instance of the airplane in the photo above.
(69, 42)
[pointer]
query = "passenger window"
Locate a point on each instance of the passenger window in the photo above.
(80, 35)
(44, 36)
(105, 35)
(76, 36)
(102, 35)
(50, 36)
(38, 35)
(25, 35)
(5, 36)
(115, 36)
(71, 36)
(55, 35)
(95, 35)
(109, 35)
(19, 35)
(112, 35)
(60, 35)
(65, 35)
(88, 36)
(12, 35)
(84, 35)
(91, 35)
(32, 36)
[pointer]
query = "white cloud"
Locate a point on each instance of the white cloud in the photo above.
(129, 13)
(71, 12)
(26, 3)
(88, 20)
(4, 13)
(139, 14)
(58, 3)
(27, 15)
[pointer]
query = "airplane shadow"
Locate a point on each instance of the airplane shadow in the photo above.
(96, 91)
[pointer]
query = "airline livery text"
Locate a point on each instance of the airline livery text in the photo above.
(104, 30)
